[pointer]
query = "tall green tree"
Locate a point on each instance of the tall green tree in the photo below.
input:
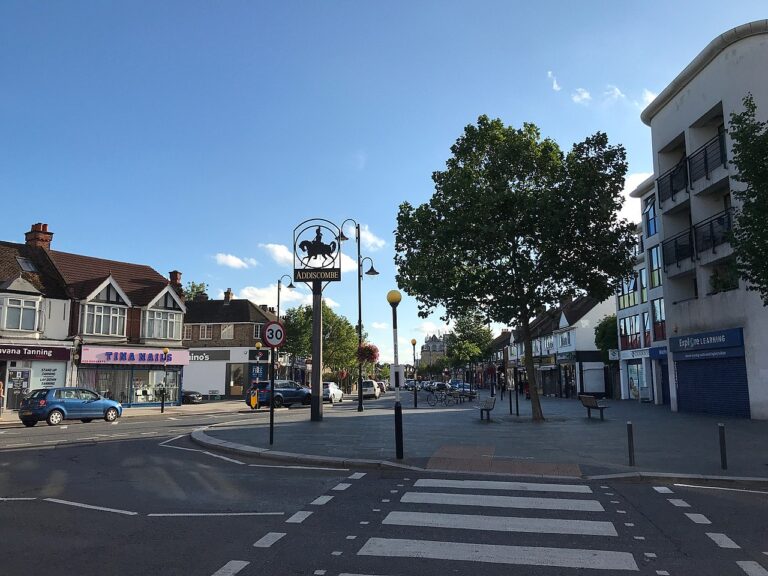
(750, 231)
(513, 225)
(607, 335)
(298, 332)
(339, 341)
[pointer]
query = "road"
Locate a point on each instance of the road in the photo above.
(139, 498)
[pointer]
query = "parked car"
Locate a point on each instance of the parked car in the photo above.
(54, 405)
(410, 384)
(191, 397)
(287, 392)
(332, 393)
(465, 389)
(371, 389)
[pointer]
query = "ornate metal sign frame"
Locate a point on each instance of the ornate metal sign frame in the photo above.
(313, 258)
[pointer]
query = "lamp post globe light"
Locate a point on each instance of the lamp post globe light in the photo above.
(165, 380)
(370, 272)
(394, 297)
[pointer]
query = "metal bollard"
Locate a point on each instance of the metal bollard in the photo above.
(398, 431)
(723, 454)
(630, 443)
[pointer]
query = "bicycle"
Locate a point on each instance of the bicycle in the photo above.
(440, 397)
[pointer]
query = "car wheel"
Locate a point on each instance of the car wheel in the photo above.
(277, 402)
(110, 415)
(29, 423)
(55, 417)
(86, 420)
(307, 400)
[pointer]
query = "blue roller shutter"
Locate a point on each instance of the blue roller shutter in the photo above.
(716, 386)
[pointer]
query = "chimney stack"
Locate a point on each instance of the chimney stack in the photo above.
(175, 277)
(39, 236)
(228, 295)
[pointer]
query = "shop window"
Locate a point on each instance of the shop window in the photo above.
(20, 314)
(635, 379)
(227, 331)
(206, 331)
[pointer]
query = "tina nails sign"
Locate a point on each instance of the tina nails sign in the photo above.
(109, 355)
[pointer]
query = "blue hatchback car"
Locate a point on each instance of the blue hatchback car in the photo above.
(54, 405)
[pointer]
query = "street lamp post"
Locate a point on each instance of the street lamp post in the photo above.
(394, 297)
(279, 286)
(415, 391)
(370, 272)
(165, 380)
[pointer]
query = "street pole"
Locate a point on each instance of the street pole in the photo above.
(316, 407)
(394, 297)
(415, 391)
(272, 395)
(165, 380)
(359, 321)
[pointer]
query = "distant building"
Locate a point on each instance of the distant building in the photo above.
(432, 350)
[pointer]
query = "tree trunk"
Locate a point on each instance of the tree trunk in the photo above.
(536, 414)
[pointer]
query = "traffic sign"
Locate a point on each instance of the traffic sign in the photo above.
(274, 334)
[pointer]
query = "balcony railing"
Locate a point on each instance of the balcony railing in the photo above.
(678, 248)
(673, 181)
(714, 231)
(707, 158)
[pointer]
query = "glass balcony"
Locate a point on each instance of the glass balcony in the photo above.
(673, 181)
(714, 231)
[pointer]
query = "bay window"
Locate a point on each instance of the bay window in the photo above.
(20, 314)
(163, 325)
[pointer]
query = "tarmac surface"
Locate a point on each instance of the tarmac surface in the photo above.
(453, 438)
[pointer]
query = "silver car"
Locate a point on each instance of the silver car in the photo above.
(332, 393)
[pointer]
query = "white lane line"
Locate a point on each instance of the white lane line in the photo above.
(296, 467)
(299, 517)
(663, 489)
(752, 568)
(231, 568)
(341, 486)
(219, 456)
(204, 514)
(678, 502)
(650, 555)
(662, 573)
(171, 439)
(63, 427)
(722, 488)
(698, 518)
(494, 485)
(722, 540)
(16, 499)
(497, 554)
(89, 507)
(18, 444)
(502, 501)
(57, 441)
(501, 523)
(172, 418)
(269, 539)
(357, 475)
(321, 500)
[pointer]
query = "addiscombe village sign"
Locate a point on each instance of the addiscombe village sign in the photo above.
(317, 261)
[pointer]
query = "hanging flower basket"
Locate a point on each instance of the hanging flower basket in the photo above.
(367, 353)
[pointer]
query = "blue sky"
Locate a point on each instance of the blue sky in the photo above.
(196, 135)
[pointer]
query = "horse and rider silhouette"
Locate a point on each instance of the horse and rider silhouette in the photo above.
(317, 249)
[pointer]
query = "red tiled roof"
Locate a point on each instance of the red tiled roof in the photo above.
(45, 279)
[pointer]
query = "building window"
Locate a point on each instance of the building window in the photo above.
(21, 314)
(206, 331)
(654, 257)
(659, 319)
(628, 293)
(549, 342)
(649, 212)
(187, 332)
(227, 331)
(629, 332)
(646, 329)
(565, 339)
(163, 325)
(104, 320)
(257, 331)
(643, 278)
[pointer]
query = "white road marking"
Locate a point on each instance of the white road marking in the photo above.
(722, 540)
(649, 555)
(364, 522)
(628, 524)
(172, 418)
(269, 539)
(639, 537)
(386, 500)
(502, 501)
(351, 537)
(319, 572)
(615, 502)
(721, 488)
(299, 517)
(496, 554)
(63, 427)
(171, 439)
(204, 514)
(18, 444)
(663, 489)
(357, 475)
(678, 502)
(16, 499)
(621, 511)
(662, 573)
(219, 456)
(296, 467)
(320, 500)
(336, 553)
(752, 568)
(494, 485)
(341, 486)
(501, 523)
(56, 441)
(89, 507)
(698, 518)
(231, 568)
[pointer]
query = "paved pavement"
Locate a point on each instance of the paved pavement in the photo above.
(454, 438)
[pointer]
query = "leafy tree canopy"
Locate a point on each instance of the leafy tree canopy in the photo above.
(607, 335)
(193, 289)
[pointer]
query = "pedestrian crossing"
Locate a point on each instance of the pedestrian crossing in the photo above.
(505, 524)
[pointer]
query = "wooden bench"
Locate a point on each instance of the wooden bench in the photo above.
(486, 407)
(591, 403)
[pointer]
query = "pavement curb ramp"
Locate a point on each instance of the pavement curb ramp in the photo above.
(201, 438)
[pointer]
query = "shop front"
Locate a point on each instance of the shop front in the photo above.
(549, 375)
(133, 376)
(225, 372)
(24, 368)
(567, 363)
(635, 374)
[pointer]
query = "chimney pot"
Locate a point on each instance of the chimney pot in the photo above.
(38, 236)
(175, 277)
(228, 295)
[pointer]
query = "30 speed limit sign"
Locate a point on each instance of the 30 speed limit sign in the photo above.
(274, 334)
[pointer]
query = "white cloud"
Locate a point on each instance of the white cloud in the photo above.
(368, 240)
(581, 96)
(279, 253)
(429, 328)
(648, 96)
(232, 261)
(631, 208)
(612, 93)
(360, 160)
(379, 325)
(348, 264)
(555, 86)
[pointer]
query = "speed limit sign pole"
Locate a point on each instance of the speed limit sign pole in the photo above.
(274, 336)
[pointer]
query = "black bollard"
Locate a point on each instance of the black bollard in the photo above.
(398, 431)
(630, 443)
(415, 395)
(723, 455)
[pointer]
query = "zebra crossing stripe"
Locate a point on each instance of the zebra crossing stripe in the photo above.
(501, 523)
(494, 485)
(488, 500)
(498, 554)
